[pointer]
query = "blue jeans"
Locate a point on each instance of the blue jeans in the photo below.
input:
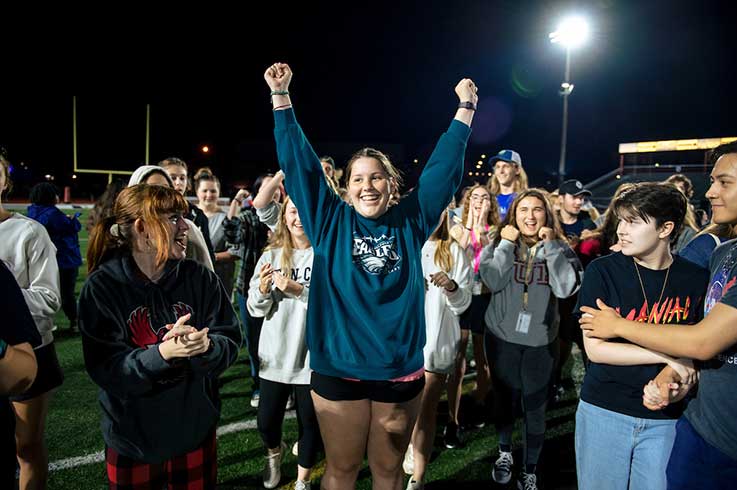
(694, 463)
(251, 327)
(616, 451)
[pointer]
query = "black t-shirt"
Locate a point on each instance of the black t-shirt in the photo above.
(16, 327)
(614, 280)
(582, 223)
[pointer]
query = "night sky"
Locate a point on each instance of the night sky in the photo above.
(382, 74)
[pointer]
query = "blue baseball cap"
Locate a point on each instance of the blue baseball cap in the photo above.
(509, 156)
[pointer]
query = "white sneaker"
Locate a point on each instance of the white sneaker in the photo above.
(290, 402)
(295, 448)
(408, 465)
(255, 398)
(272, 468)
(415, 485)
(527, 481)
(502, 471)
(302, 485)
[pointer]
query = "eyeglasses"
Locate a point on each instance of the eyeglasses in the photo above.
(475, 197)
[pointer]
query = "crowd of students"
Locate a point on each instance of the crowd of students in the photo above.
(365, 352)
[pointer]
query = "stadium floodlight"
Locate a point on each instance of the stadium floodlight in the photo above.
(572, 32)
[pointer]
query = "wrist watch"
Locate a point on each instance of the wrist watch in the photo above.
(467, 105)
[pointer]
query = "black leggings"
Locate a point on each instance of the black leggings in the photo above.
(271, 409)
(67, 281)
(521, 373)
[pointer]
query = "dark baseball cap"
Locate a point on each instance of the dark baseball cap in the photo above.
(573, 187)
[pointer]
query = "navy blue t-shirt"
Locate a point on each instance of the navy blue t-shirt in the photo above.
(613, 279)
(577, 228)
(711, 413)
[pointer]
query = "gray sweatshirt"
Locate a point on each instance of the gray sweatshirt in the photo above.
(556, 273)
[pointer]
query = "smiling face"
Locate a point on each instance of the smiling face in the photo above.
(208, 192)
(477, 198)
(530, 216)
(178, 229)
(505, 172)
(723, 191)
(369, 187)
(292, 221)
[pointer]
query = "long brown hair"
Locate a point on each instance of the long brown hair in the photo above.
(282, 239)
(551, 221)
(492, 219)
(144, 202)
(443, 258)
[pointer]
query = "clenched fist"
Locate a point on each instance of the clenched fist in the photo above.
(510, 233)
(278, 76)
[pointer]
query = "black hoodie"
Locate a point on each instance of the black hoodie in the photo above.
(152, 409)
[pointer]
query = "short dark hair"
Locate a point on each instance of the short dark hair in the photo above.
(328, 159)
(682, 179)
(44, 194)
(720, 151)
(654, 200)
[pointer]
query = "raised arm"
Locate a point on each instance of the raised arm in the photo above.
(444, 170)
(265, 194)
(313, 197)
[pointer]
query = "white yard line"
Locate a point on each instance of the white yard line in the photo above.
(99, 457)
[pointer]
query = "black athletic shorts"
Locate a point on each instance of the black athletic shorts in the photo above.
(473, 318)
(48, 376)
(340, 389)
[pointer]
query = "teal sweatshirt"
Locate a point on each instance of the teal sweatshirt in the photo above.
(366, 317)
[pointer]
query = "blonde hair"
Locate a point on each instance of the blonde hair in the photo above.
(520, 182)
(282, 239)
(443, 258)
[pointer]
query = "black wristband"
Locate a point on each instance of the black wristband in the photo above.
(455, 287)
(467, 105)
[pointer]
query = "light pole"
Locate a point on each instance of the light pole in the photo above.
(571, 33)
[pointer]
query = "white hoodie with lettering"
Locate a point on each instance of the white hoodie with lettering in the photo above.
(282, 348)
(29, 253)
(442, 308)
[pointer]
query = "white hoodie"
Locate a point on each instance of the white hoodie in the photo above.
(442, 308)
(282, 348)
(27, 250)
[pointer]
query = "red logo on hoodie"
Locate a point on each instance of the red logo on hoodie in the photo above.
(143, 334)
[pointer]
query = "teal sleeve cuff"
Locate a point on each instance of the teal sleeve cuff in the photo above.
(284, 118)
(459, 129)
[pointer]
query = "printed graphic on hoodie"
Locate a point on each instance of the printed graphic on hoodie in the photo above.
(143, 334)
(376, 256)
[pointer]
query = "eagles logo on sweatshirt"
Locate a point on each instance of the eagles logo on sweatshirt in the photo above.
(143, 333)
(376, 255)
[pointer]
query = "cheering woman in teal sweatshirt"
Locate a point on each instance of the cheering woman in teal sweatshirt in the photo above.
(365, 321)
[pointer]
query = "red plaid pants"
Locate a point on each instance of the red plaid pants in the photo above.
(196, 470)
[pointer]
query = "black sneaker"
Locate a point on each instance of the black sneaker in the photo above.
(451, 437)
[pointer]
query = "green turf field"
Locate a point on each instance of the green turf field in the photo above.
(73, 433)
